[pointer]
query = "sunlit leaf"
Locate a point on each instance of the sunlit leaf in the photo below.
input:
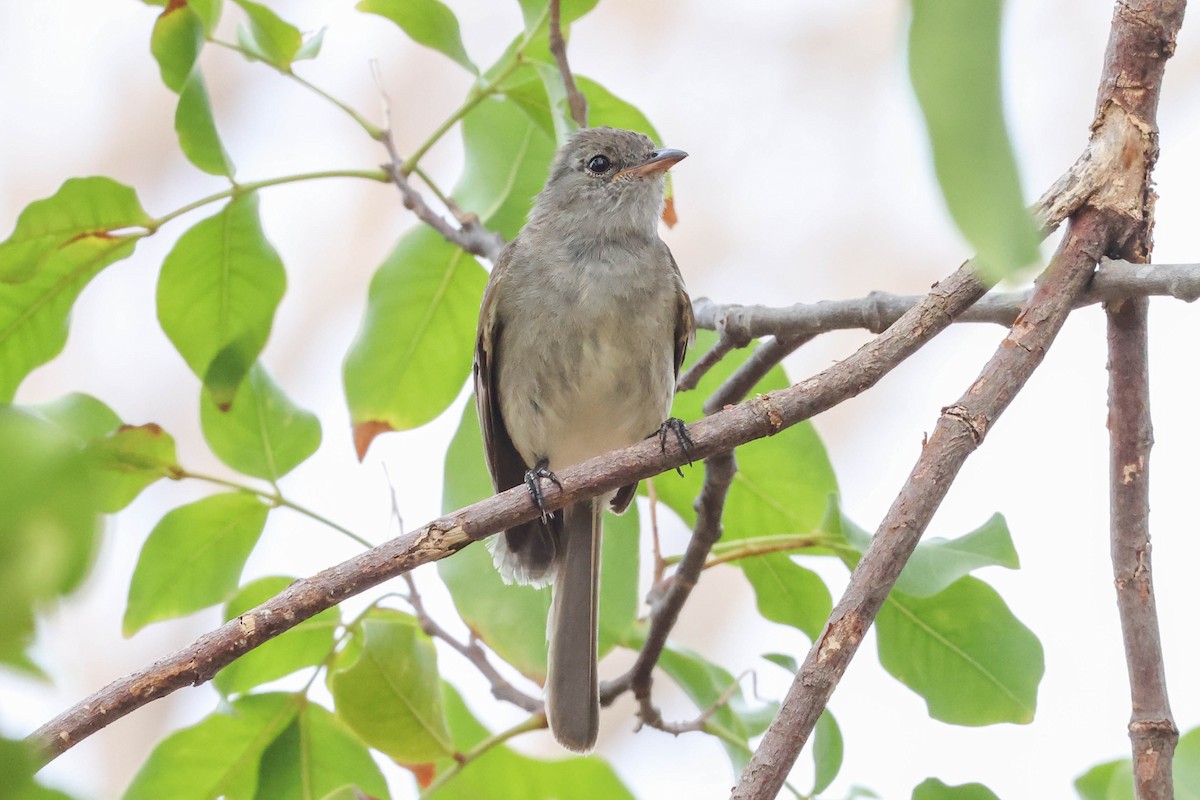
(193, 558)
(963, 652)
(503, 773)
(175, 43)
(216, 757)
(427, 22)
(1112, 780)
(48, 521)
(827, 752)
(311, 47)
(385, 687)
(933, 789)
(936, 563)
(209, 11)
(270, 38)
(264, 434)
(414, 349)
(313, 757)
(71, 233)
(218, 291)
(81, 416)
(788, 593)
(305, 645)
(197, 130)
(954, 62)
(128, 460)
(507, 160)
(536, 12)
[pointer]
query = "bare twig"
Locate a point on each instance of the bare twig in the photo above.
(470, 650)
(1115, 280)
(652, 717)
(558, 46)
(1151, 726)
(471, 235)
(721, 348)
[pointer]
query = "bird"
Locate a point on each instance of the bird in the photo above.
(584, 323)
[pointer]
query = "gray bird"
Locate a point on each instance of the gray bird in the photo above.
(582, 330)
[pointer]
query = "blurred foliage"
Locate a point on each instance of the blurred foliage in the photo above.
(945, 634)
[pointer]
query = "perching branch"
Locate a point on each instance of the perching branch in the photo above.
(575, 98)
(1124, 141)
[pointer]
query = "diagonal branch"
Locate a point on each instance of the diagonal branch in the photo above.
(558, 46)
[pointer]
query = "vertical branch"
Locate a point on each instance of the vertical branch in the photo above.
(1131, 436)
(575, 98)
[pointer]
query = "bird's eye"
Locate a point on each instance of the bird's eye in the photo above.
(598, 164)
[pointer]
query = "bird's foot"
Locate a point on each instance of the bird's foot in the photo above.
(533, 480)
(676, 426)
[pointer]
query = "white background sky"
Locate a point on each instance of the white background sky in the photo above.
(809, 179)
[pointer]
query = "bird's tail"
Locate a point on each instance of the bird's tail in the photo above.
(572, 693)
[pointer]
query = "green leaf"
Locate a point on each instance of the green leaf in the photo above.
(264, 434)
(218, 291)
(216, 757)
(503, 773)
(311, 47)
(706, 683)
(507, 160)
(536, 12)
(938, 562)
(209, 11)
(1187, 765)
(193, 558)
(385, 687)
(416, 343)
(954, 63)
(783, 482)
(48, 522)
(268, 37)
(1112, 780)
(427, 22)
(827, 752)
(175, 43)
(197, 130)
(964, 652)
(782, 660)
(69, 235)
(314, 756)
(933, 789)
(305, 645)
(511, 619)
(128, 460)
(788, 593)
(33, 314)
(80, 416)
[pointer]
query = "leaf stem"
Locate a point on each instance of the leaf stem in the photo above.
(374, 131)
(244, 188)
(536, 722)
(725, 552)
(276, 499)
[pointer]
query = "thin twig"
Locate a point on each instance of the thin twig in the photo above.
(471, 236)
(652, 717)
(1115, 280)
(501, 688)
(721, 348)
(660, 564)
(558, 46)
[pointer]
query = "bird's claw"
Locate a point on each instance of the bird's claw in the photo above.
(533, 480)
(676, 426)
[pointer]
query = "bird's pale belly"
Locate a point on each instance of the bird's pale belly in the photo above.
(589, 394)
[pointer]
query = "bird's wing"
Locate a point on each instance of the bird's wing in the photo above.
(685, 320)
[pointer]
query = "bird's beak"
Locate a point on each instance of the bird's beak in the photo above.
(659, 161)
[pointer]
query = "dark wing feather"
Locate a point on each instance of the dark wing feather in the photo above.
(530, 548)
